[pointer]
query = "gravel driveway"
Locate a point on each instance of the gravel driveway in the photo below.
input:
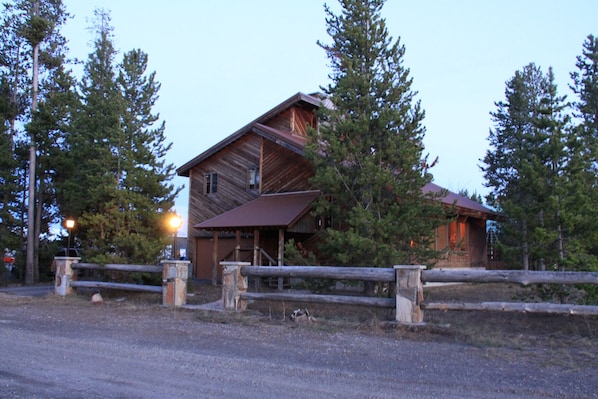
(69, 348)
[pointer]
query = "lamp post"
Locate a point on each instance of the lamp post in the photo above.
(175, 223)
(69, 223)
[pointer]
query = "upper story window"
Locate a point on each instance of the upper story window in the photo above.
(210, 185)
(253, 178)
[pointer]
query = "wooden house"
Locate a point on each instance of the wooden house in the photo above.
(249, 194)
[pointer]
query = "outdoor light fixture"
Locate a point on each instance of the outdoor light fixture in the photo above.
(69, 223)
(175, 222)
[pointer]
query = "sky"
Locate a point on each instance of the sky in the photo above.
(221, 64)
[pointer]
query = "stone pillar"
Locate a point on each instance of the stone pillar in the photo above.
(233, 285)
(174, 282)
(410, 294)
(64, 274)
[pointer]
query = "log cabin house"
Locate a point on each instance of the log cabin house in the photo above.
(249, 194)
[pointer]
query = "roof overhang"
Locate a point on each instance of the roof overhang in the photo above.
(463, 205)
(268, 211)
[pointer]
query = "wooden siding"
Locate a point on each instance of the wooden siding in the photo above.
(294, 120)
(283, 170)
(473, 256)
(231, 165)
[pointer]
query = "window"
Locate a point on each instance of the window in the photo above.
(457, 236)
(210, 183)
(253, 178)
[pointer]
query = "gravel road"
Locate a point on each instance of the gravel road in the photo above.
(68, 348)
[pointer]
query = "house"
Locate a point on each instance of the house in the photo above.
(249, 194)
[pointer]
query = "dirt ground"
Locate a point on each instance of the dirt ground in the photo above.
(574, 337)
(562, 333)
(466, 354)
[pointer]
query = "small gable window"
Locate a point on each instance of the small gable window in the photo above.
(253, 178)
(210, 183)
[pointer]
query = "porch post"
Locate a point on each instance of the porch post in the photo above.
(215, 258)
(280, 256)
(256, 247)
(410, 294)
(233, 285)
(238, 246)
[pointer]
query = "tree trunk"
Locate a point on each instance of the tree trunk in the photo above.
(524, 247)
(31, 240)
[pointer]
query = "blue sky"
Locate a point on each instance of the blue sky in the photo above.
(224, 63)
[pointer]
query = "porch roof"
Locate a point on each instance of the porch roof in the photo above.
(266, 211)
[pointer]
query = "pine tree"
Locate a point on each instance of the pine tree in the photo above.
(31, 48)
(144, 175)
(368, 150)
(526, 167)
(584, 150)
(89, 188)
(117, 185)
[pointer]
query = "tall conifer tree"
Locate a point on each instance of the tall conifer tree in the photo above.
(530, 168)
(584, 149)
(119, 185)
(368, 150)
(31, 48)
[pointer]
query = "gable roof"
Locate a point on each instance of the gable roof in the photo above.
(465, 205)
(268, 210)
(293, 142)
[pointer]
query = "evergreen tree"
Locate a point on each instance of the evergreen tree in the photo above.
(368, 150)
(526, 168)
(144, 176)
(31, 49)
(117, 185)
(90, 181)
(584, 149)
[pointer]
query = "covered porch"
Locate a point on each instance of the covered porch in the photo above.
(255, 232)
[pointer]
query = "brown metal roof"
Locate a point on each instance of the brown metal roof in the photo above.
(268, 210)
(464, 204)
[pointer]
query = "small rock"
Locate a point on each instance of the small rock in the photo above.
(97, 298)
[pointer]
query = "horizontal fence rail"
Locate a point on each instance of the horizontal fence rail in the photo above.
(118, 267)
(323, 272)
(318, 298)
(516, 307)
(117, 286)
(508, 276)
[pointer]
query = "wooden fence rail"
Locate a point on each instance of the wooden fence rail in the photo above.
(173, 288)
(508, 276)
(409, 300)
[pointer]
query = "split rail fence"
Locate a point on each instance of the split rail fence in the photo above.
(409, 301)
(173, 288)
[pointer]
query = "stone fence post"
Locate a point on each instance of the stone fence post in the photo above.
(410, 294)
(233, 285)
(174, 282)
(64, 274)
